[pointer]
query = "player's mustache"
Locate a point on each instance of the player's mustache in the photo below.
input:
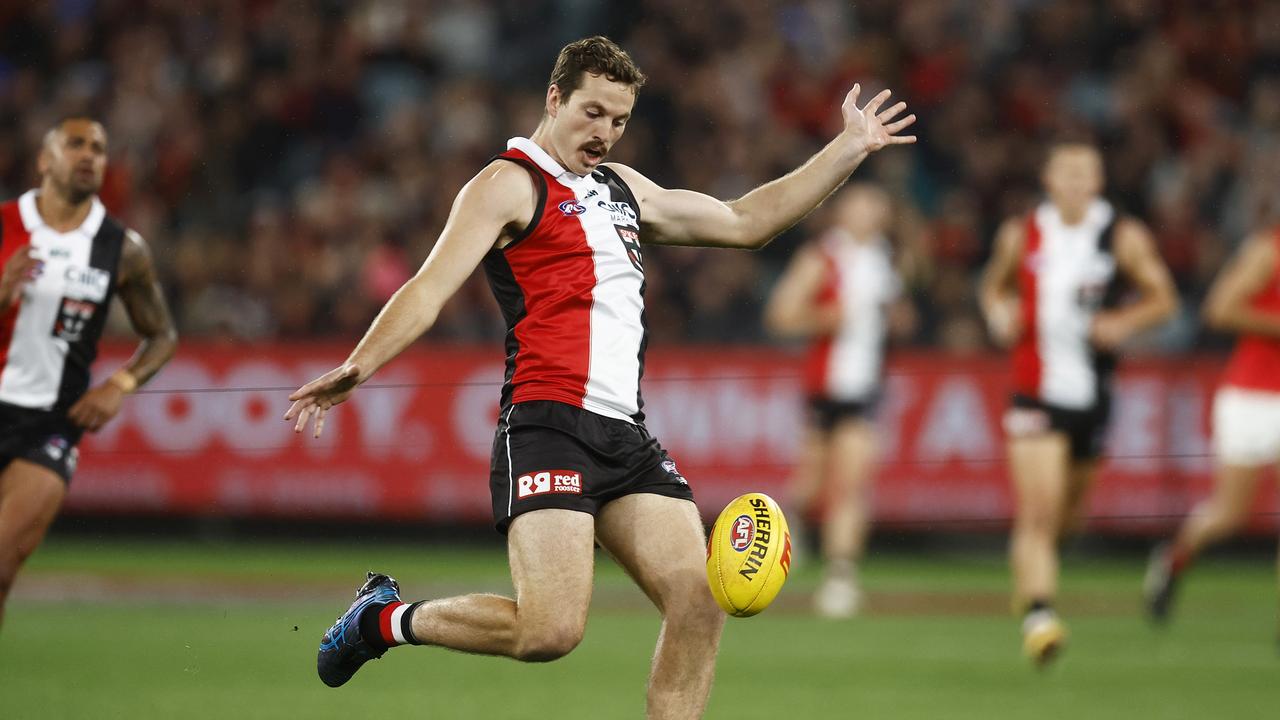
(597, 147)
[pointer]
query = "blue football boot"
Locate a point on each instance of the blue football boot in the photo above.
(343, 649)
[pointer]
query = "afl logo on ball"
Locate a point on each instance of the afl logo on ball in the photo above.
(744, 531)
(572, 207)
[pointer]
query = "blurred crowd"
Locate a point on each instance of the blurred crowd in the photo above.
(292, 161)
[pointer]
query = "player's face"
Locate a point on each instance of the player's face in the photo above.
(1073, 177)
(75, 159)
(585, 128)
(864, 211)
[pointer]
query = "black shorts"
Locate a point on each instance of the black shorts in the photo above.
(551, 455)
(1086, 429)
(45, 438)
(825, 413)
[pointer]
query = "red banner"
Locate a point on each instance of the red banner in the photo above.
(207, 438)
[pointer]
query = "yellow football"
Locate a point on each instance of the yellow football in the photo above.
(748, 554)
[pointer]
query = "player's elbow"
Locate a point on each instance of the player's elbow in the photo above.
(743, 231)
(1216, 316)
(777, 321)
(1170, 304)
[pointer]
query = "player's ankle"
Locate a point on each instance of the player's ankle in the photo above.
(389, 625)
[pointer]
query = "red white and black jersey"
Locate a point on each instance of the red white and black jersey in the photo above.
(49, 339)
(571, 288)
(1255, 364)
(1067, 274)
(860, 281)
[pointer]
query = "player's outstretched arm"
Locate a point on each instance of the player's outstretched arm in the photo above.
(1227, 306)
(996, 293)
(144, 301)
(684, 217)
(1136, 257)
(793, 310)
(496, 202)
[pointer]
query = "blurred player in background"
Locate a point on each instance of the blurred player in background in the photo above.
(1245, 299)
(63, 259)
(559, 233)
(1051, 292)
(841, 291)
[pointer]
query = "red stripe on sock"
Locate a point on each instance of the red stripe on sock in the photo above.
(384, 623)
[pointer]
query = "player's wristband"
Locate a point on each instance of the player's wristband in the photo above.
(124, 380)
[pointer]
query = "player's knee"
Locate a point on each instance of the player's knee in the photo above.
(693, 607)
(1230, 513)
(1039, 520)
(548, 643)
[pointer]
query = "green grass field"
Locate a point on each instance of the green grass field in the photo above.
(185, 630)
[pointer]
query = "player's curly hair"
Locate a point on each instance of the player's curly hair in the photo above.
(597, 55)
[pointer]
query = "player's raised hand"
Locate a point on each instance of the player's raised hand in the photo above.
(21, 268)
(313, 400)
(872, 127)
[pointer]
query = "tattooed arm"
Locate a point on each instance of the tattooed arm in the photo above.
(149, 313)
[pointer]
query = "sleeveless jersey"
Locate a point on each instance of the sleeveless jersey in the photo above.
(1067, 274)
(571, 288)
(49, 339)
(1255, 364)
(860, 281)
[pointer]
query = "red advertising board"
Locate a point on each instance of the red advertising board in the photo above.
(207, 438)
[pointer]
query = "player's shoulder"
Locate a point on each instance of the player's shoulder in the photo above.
(1013, 229)
(502, 188)
(1132, 232)
(630, 176)
(1262, 246)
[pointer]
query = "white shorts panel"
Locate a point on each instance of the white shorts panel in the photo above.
(1246, 427)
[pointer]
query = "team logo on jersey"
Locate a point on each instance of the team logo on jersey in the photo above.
(73, 316)
(572, 207)
(549, 482)
(631, 243)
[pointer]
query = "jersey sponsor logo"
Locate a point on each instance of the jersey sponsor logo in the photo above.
(546, 482)
(572, 207)
(620, 213)
(743, 532)
(73, 316)
(87, 283)
(631, 243)
(591, 194)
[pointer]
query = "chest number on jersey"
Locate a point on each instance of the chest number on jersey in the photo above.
(73, 316)
(631, 242)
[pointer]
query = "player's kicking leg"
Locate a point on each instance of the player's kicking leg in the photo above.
(1039, 464)
(552, 559)
(30, 496)
(660, 542)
